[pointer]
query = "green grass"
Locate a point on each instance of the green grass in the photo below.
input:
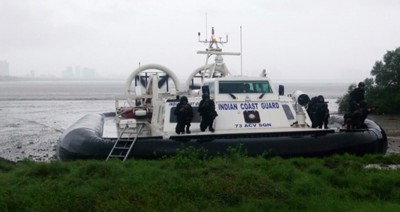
(191, 181)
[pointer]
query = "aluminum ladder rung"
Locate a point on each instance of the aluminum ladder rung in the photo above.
(117, 156)
(126, 149)
(121, 148)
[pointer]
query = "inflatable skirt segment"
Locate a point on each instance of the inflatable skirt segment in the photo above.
(83, 140)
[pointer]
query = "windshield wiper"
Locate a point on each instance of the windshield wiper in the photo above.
(233, 96)
(262, 95)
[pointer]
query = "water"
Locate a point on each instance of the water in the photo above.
(101, 90)
(60, 90)
(107, 90)
(328, 90)
(34, 114)
(331, 91)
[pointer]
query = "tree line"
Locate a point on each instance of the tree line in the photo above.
(382, 89)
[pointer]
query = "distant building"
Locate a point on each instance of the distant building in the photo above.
(4, 68)
(79, 73)
(33, 74)
(88, 73)
(68, 73)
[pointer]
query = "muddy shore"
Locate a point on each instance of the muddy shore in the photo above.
(391, 125)
(30, 129)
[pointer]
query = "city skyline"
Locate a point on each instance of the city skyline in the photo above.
(70, 72)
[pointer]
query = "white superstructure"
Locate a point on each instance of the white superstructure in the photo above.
(244, 104)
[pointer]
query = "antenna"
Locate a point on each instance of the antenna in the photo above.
(213, 49)
(213, 41)
(241, 53)
(206, 28)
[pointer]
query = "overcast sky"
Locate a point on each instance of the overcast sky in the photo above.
(295, 41)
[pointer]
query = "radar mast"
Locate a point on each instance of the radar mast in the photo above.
(214, 49)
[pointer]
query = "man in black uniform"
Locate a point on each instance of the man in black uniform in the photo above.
(312, 111)
(207, 113)
(359, 115)
(358, 109)
(356, 97)
(322, 112)
(318, 112)
(184, 115)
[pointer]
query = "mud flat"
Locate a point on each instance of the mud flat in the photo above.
(31, 129)
(391, 125)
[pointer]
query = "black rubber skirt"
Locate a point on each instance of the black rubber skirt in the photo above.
(83, 140)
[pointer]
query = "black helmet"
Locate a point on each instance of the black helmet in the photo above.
(184, 99)
(361, 84)
(321, 98)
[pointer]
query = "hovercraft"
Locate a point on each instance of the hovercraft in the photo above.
(258, 119)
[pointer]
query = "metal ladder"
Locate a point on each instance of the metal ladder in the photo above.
(123, 146)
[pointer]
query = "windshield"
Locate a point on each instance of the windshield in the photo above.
(244, 87)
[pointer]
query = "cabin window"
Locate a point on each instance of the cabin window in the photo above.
(196, 115)
(288, 112)
(244, 87)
